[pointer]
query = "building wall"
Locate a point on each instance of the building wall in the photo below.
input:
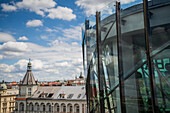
(7, 103)
(53, 103)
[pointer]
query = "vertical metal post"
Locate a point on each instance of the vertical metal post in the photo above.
(98, 40)
(88, 73)
(86, 28)
(83, 55)
(147, 36)
(119, 51)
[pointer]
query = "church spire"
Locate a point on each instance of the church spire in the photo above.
(29, 65)
(28, 78)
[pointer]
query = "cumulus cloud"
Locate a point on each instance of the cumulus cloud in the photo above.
(60, 60)
(34, 23)
(23, 38)
(7, 7)
(14, 47)
(74, 32)
(91, 6)
(6, 68)
(63, 13)
(41, 7)
(36, 6)
(5, 37)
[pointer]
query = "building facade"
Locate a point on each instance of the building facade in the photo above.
(126, 58)
(33, 98)
(7, 98)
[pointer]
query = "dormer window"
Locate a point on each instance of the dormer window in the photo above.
(43, 95)
(79, 96)
(50, 95)
(70, 96)
(62, 95)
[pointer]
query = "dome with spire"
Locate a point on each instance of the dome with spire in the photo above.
(3, 85)
(28, 78)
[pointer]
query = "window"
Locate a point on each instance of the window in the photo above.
(4, 99)
(70, 96)
(38, 107)
(64, 108)
(58, 108)
(19, 91)
(77, 109)
(49, 107)
(32, 108)
(29, 91)
(50, 95)
(22, 107)
(79, 96)
(43, 107)
(16, 106)
(71, 108)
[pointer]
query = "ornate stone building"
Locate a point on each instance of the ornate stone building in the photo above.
(7, 98)
(33, 98)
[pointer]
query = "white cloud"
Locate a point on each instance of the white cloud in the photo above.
(1, 57)
(51, 30)
(5, 37)
(72, 33)
(63, 13)
(7, 7)
(36, 6)
(23, 38)
(12, 54)
(60, 60)
(21, 65)
(34, 23)
(91, 6)
(14, 47)
(6, 68)
(44, 37)
(41, 7)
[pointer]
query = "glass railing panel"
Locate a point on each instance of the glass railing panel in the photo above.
(135, 85)
(91, 38)
(94, 85)
(108, 20)
(137, 91)
(133, 46)
(159, 19)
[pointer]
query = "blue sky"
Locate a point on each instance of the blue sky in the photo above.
(48, 32)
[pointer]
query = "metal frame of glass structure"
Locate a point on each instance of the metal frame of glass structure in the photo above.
(126, 57)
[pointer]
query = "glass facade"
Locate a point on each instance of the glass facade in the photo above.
(126, 57)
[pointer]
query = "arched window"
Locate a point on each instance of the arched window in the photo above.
(22, 107)
(64, 108)
(16, 106)
(38, 107)
(32, 108)
(58, 108)
(77, 109)
(71, 109)
(49, 107)
(43, 107)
